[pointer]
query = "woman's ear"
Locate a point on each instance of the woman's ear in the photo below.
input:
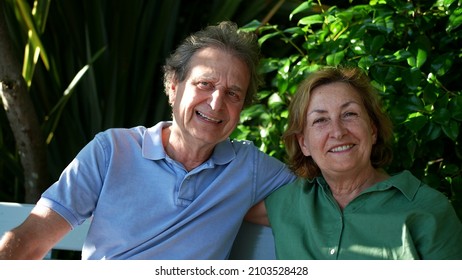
(374, 133)
(302, 144)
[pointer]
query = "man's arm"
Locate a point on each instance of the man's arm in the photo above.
(257, 214)
(35, 237)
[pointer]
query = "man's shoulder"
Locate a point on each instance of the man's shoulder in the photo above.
(122, 133)
(244, 143)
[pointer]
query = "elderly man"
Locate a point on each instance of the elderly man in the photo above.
(177, 190)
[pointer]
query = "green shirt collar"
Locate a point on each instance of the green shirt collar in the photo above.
(403, 181)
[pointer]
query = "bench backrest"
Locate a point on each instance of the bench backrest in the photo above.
(253, 241)
(13, 214)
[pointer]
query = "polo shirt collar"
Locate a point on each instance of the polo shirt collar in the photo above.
(153, 149)
(404, 181)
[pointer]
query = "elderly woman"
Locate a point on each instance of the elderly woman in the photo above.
(344, 205)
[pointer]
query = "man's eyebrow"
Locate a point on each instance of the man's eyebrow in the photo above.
(212, 78)
(236, 88)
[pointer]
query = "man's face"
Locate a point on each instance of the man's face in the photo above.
(207, 104)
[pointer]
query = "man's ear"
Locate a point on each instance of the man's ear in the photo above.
(172, 87)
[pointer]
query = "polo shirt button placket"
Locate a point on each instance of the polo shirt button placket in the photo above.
(332, 252)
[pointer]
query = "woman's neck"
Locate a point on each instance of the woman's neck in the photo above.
(346, 188)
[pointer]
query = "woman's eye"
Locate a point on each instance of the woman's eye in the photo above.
(319, 121)
(350, 114)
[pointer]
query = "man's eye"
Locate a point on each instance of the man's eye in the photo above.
(204, 85)
(235, 96)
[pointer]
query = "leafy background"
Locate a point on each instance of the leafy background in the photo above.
(412, 52)
(99, 67)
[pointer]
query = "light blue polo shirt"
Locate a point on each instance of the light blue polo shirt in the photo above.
(145, 205)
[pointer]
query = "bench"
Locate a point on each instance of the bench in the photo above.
(13, 214)
(252, 242)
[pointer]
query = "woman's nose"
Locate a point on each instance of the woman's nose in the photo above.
(338, 129)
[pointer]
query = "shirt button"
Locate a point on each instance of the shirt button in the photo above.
(332, 251)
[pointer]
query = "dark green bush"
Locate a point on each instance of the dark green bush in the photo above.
(412, 52)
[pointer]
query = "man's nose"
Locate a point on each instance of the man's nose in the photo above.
(216, 99)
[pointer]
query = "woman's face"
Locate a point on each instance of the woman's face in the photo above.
(338, 134)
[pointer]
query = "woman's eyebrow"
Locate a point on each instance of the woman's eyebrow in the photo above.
(322, 111)
(318, 111)
(349, 103)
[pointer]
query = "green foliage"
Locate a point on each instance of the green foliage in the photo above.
(412, 52)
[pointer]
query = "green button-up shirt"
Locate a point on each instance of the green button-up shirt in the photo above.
(400, 218)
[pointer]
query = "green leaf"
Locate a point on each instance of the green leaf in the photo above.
(455, 106)
(430, 94)
(335, 58)
(451, 129)
(268, 65)
(441, 116)
(34, 47)
(414, 104)
(400, 55)
(431, 179)
(251, 26)
(310, 20)
(294, 31)
(443, 101)
(263, 39)
(366, 61)
(306, 5)
(282, 84)
(384, 23)
(455, 19)
(275, 100)
(377, 2)
(447, 3)
(442, 63)
(412, 78)
(431, 132)
(420, 50)
(385, 75)
(450, 169)
(416, 122)
(377, 44)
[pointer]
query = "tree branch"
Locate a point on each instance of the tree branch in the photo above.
(22, 118)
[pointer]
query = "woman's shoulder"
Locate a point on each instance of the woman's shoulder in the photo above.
(293, 189)
(419, 193)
